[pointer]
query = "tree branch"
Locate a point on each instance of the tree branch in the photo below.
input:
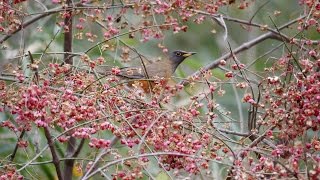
(29, 22)
(71, 144)
(17, 146)
(55, 158)
(243, 47)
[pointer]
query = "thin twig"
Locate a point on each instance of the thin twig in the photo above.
(146, 155)
(31, 21)
(17, 146)
(258, 11)
(77, 126)
(233, 132)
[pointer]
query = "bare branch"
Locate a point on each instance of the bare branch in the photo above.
(243, 47)
(55, 158)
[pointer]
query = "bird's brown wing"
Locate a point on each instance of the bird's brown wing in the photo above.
(157, 69)
(132, 73)
(138, 77)
(161, 69)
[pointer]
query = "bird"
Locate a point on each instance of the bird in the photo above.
(162, 69)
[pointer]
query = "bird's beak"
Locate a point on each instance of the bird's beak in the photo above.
(189, 54)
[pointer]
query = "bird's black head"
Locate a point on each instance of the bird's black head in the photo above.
(176, 57)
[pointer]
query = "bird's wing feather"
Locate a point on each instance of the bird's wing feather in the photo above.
(132, 73)
(156, 69)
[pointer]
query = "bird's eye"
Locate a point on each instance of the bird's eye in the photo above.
(178, 53)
